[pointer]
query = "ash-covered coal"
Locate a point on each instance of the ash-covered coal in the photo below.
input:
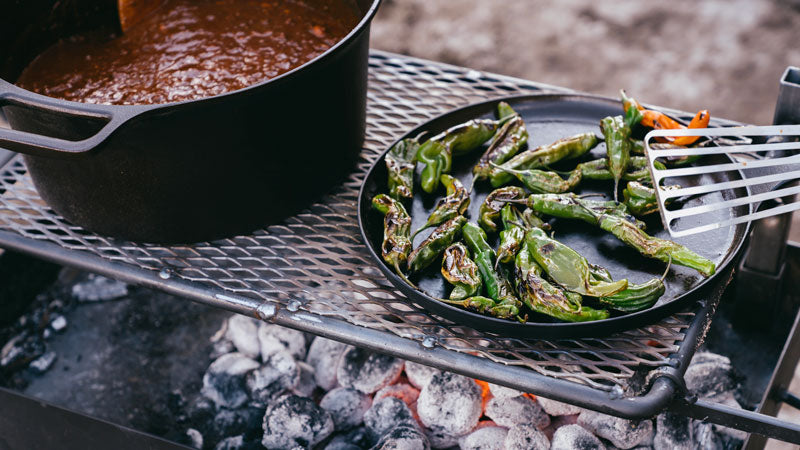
(385, 414)
(323, 356)
(279, 373)
(525, 437)
(419, 374)
(501, 392)
(622, 433)
(273, 339)
(450, 404)
(556, 408)
(575, 437)
(306, 383)
(367, 371)
(516, 411)
(292, 421)
(673, 431)
(224, 381)
(403, 437)
(97, 288)
(347, 407)
(484, 438)
(242, 332)
(710, 375)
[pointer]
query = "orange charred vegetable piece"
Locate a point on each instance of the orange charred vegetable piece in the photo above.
(659, 120)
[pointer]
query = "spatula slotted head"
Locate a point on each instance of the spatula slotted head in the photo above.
(737, 175)
(132, 12)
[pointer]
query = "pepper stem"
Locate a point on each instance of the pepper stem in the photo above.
(414, 234)
(512, 171)
(669, 264)
(403, 276)
(616, 190)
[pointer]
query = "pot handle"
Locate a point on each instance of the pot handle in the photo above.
(42, 145)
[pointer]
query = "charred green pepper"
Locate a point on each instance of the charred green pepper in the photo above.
(568, 268)
(486, 305)
(597, 169)
(511, 137)
(489, 211)
(515, 224)
(461, 272)
(544, 156)
(571, 206)
(454, 204)
(541, 181)
(432, 247)
(542, 297)
(496, 282)
(396, 226)
(400, 163)
(640, 199)
(654, 247)
(637, 296)
(618, 147)
(437, 160)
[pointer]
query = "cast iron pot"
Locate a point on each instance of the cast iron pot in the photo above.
(186, 171)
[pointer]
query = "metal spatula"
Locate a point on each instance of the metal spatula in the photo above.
(714, 192)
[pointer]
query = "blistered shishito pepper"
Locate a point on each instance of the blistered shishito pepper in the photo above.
(400, 163)
(437, 160)
(396, 227)
(654, 247)
(454, 204)
(597, 169)
(618, 147)
(489, 211)
(568, 268)
(637, 147)
(571, 206)
(514, 226)
(542, 297)
(461, 272)
(432, 247)
(637, 296)
(496, 282)
(542, 181)
(485, 305)
(544, 156)
(640, 199)
(508, 140)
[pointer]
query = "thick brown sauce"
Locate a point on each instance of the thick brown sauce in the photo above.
(190, 49)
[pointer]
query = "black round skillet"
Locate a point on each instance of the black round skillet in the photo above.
(550, 117)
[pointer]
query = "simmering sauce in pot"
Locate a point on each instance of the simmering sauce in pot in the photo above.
(189, 49)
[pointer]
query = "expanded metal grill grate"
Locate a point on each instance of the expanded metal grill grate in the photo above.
(316, 261)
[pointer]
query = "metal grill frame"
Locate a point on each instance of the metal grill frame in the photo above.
(312, 272)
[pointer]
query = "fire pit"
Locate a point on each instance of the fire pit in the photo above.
(312, 274)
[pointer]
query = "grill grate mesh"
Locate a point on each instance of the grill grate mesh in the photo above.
(316, 259)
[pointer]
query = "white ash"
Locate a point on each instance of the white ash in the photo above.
(710, 375)
(385, 414)
(223, 382)
(195, 438)
(526, 437)
(515, 411)
(673, 431)
(293, 421)
(323, 356)
(622, 433)
(704, 436)
(230, 422)
(243, 333)
(556, 408)
(439, 439)
(502, 392)
(367, 371)
(58, 323)
(403, 437)
(419, 374)
(575, 437)
(347, 407)
(306, 384)
(231, 443)
(12, 350)
(43, 363)
(97, 288)
(405, 392)
(450, 404)
(278, 374)
(484, 438)
(274, 338)
(221, 347)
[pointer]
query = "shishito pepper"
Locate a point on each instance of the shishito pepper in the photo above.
(659, 120)
(597, 169)
(496, 282)
(454, 204)
(637, 296)
(544, 156)
(400, 163)
(640, 199)
(542, 297)
(654, 247)
(432, 247)
(515, 224)
(571, 206)
(485, 305)
(542, 181)
(396, 226)
(508, 140)
(489, 211)
(437, 152)
(618, 147)
(568, 268)
(461, 272)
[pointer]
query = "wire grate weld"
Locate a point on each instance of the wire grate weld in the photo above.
(318, 259)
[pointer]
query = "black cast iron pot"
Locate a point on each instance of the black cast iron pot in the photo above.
(187, 171)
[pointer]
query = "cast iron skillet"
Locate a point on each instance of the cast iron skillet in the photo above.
(550, 117)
